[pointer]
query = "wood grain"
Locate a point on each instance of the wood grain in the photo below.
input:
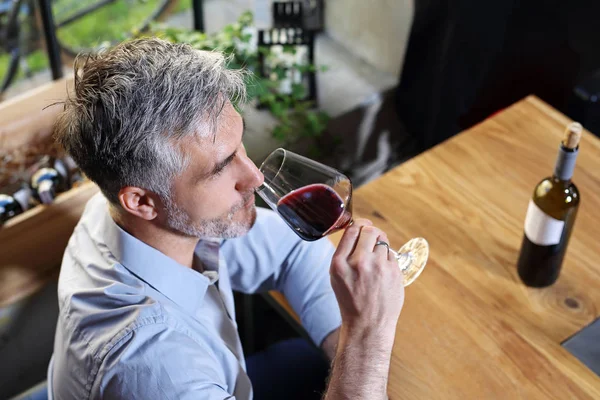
(28, 118)
(469, 328)
(32, 244)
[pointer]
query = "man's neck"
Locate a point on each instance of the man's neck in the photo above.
(177, 247)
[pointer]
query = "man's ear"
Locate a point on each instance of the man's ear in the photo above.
(139, 202)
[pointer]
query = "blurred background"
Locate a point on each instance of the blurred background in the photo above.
(362, 86)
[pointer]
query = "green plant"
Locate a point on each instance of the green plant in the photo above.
(36, 62)
(296, 117)
(109, 24)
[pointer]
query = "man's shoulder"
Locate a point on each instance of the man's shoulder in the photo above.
(90, 349)
(103, 306)
(91, 323)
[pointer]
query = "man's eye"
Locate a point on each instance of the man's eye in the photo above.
(219, 172)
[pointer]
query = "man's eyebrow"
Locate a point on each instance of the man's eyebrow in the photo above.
(219, 166)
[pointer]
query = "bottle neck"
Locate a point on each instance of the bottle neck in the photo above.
(46, 191)
(23, 197)
(565, 164)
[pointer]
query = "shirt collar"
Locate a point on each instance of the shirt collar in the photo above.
(184, 286)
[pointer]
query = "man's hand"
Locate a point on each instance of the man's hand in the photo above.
(367, 282)
(369, 288)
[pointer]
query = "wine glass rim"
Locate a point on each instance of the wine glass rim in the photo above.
(278, 150)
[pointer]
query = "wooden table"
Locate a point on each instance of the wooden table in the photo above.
(469, 328)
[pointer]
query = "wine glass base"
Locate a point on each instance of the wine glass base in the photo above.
(412, 258)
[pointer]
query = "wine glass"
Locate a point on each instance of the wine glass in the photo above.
(316, 200)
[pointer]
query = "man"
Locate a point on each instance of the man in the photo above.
(145, 291)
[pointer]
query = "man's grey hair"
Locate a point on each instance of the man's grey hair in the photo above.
(133, 103)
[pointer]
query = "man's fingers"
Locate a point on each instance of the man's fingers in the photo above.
(348, 241)
(368, 238)
(381, 250)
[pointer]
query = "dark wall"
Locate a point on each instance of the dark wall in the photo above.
(467, 59)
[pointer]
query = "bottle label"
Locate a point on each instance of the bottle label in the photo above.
(541, 228)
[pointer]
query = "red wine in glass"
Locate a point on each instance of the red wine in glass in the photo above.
(314, 211)
(316, 200)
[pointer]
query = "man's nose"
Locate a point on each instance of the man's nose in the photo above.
(253, 178)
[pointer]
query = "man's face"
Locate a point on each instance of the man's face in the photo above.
(214, 196)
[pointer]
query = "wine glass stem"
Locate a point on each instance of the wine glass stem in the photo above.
(404, 259)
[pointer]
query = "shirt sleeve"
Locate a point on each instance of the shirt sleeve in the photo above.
(156, 362)
(272, 257)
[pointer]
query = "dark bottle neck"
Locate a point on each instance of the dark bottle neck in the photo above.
(565, 164)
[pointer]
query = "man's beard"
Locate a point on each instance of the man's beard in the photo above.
(221, 227)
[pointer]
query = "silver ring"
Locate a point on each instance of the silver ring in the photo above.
(382, 243)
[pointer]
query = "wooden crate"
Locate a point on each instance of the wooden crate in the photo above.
(32, 244)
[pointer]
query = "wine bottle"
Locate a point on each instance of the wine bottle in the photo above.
(15, 202)
(49, 180)
(75, 176)
(550, 217)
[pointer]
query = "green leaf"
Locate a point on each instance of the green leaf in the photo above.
(287, 100)
(280, 72)
(267, 98)
(279, 132)
(324, 117)
(246, 19)
(255, 87)
(246, 38)
(298, 91)
(228, 31)
(315, 124)
(290, 49)
(277, 109)
(301, 68)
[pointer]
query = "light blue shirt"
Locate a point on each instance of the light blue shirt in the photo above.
(135, 324)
